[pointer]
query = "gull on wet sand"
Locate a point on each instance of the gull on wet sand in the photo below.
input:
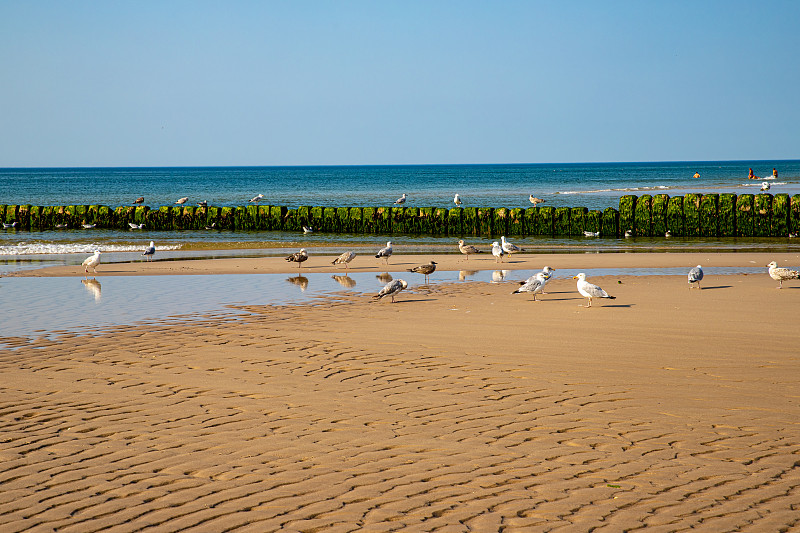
(695, 276)
(344, 259)
(508, 247)
(298, 257)
(182, 200)
(391, 289)
(426, 270)
(534, 284)
(780, 274)
(150, 251)
(91, 262)
(497, 252)
(547, 272)
(467, 249)
(385, 252)
(589, 290)
(401, 200)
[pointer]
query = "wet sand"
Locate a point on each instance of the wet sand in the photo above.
(459, 408)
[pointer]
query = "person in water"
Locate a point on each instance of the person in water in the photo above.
(750, 175)
(696, 175)
(774, 173)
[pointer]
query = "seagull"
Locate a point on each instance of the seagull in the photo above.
(591, 233)
(8, 225)
(535, 201)
(308, 229)
(150, 251)
(257, 198)
(212, 226)
(628, 233)
(508, 247)
(497, 252)
(62, 226)
(467, 249)
(391, 289)
(695, 276)
(534, 284)
(92, 262)
(457, 200)
(298, 257)
(401, 200)
(135, 226)
(385, 252)
(345, 258)
(182, 200)
(590, 291)
(345, 281)
(426, 270)
(139, 200)
(668, 234)
(764, 186)
(89, 226)
(780, 274)
(204, 203)
(548, 272)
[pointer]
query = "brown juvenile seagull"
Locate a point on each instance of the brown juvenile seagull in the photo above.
(467, 249)
(425, 269)
(139, 200)
(780, 274)
(298, 257)
(535, 201)
(345, 259)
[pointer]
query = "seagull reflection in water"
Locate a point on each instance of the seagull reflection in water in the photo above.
(93, 287)
(464, 274)
(384, 278)
(345, 281)
(300, 281)
(499, 275)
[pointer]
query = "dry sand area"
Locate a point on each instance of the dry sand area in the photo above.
(459, 408)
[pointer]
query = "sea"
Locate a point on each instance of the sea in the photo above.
(591, 185)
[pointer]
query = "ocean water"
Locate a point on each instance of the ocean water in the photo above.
(591, 185)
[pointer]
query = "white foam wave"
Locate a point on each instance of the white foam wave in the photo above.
(44, 248)
(622, 189)
(759, 184)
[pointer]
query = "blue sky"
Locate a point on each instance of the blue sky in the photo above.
(153, 83)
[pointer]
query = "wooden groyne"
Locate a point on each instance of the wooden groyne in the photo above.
(692, 215)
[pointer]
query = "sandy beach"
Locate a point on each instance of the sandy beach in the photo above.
(461, 407)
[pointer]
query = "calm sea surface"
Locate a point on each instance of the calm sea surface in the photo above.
(595, 186)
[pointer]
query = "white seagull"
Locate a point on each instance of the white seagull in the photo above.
(308, 229)
(150, 251)
(91, 262)
(628, 233)
(89, 226)
(257, 198)
(133, 225)
(182, 200)
(534, 284)
(457, 200)
(8, 225)
(467, 249)
(497, 252)
(385, 252)
(780, 274)
(401, 200)
(345, 259)
(508, 247)
(695, 276)
(591, 233)
(590, 291)
(391, 289)
(764, 185)
(548, 272)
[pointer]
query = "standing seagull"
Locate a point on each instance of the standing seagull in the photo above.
(695, 276)
(133, 225)
(534, 284)
(780, 274)
(385, 252)
(764, 185)
(182, 200)
(139, 200)
(150, 251)
(457, 200)
(497, 252)
(345, 259)
(298, 257)
(535, 201)
(467, 249)
(426, 270)
(590, 291)
(92, 262)
(257, 198)
(391, 288)
(508, 247)
(401, 200)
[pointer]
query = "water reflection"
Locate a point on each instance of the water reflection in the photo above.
(384, 277)
(93, 287)
(463, 275)
(345, 281)
(300, 281)
(499, 275)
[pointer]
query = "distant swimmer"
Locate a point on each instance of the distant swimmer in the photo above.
(696, 175)
(774, 173)
(752, 176)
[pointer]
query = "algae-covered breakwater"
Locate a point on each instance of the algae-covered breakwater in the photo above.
(692, 215)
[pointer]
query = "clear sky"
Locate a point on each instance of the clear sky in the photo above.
(174, 83)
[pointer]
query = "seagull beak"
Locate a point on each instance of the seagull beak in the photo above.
(574, 277)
